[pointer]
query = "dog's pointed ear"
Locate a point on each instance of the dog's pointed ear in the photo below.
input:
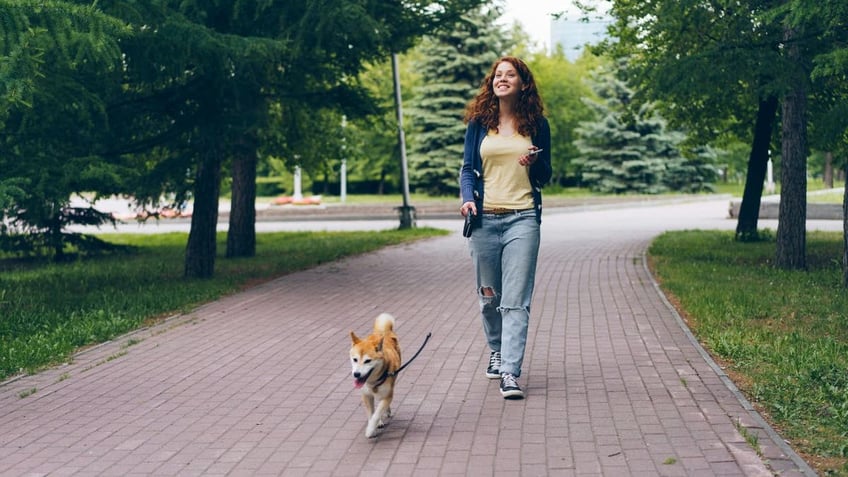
(380, 345)
(355, 339)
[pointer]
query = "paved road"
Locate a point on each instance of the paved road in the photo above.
(258, 383)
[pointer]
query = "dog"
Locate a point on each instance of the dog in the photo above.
(375, 361)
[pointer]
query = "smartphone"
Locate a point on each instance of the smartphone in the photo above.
(469, 225)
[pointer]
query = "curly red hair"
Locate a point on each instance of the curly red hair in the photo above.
(529, 108)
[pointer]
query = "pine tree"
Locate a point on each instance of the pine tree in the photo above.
(222, 70)
(57, 60)
(453, 63)
(629, 148)
(615, 148)
(693, 174)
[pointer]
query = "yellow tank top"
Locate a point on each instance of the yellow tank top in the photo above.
(506, 183)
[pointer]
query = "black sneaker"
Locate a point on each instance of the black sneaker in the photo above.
(509, 387)
(494, 369)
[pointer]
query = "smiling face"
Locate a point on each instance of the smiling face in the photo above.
(506, 82)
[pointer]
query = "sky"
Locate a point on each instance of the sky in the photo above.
(534, 16)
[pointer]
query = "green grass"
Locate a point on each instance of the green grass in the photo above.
(826, 198)
(733, 189)
(48, 311)
(783, 335)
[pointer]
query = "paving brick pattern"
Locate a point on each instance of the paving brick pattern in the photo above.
(258, 383)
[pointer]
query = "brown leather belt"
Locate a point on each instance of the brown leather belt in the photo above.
(502, 211)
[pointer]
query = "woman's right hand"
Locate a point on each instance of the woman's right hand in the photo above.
(468, 207)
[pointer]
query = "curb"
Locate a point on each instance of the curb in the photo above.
(775, 438)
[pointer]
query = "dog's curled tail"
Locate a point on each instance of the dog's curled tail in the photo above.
(385, 322)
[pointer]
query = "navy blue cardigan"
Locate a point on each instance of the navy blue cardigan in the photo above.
(471, 174)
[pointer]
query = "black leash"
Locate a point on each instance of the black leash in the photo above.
(426, 339)
(388, 375)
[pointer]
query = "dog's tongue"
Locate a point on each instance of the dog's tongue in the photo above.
(357, 383)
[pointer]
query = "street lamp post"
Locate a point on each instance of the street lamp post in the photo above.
(407, 212)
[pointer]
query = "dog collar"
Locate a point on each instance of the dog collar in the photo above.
(386, 375)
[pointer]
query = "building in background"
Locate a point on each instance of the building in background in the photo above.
(573, 34)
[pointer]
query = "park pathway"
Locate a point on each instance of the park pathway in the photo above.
(258, 383)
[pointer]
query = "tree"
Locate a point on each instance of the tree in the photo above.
(692, 171)
(712, 67)
(188, 91)
(814, 41)
(226, 67)
(192, 84)
(792, 216)
(845, 231)
(358, 33)
(563, 86)
(626, 150)
(723, 59)
(57, 59)
(829, 108)
(749, 210)
(454, 61)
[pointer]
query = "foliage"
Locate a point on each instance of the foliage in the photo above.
(371, 145)
(165, 96)
(714, 65)
(693, 172)
(628, 148)
(47, 311)
(453, 62)
(789, 350)
(706, 63)
(57, 60)
(563, 87)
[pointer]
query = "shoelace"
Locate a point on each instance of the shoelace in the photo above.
(495, 360)
(509, 381)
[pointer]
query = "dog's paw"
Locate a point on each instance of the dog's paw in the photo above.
(385, 418)
(370, 431)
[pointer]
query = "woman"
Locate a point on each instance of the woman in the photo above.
(507, 160)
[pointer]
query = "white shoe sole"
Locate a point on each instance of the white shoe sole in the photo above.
(513, 394)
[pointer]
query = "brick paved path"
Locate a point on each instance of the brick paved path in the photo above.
(258, 383)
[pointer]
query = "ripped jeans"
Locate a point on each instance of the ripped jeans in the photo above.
(504, 250)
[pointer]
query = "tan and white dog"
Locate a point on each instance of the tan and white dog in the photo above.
(375, 361)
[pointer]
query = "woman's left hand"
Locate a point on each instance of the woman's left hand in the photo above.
(528, 159)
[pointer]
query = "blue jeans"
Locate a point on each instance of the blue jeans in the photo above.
(504, 250)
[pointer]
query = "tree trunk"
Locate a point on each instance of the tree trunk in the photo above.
(241, 236)
(845, 231)
(381, 186)
(792, 217)
(749, 210)
(201, 248)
